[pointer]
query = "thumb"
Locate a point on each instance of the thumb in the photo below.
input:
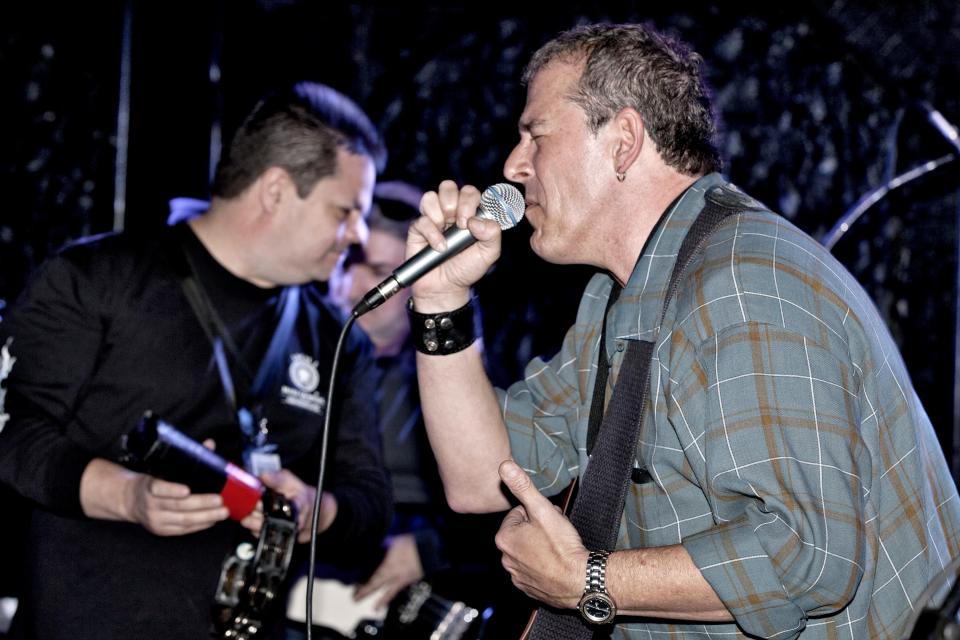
(276, 480)
(520, 486)
(483, 229)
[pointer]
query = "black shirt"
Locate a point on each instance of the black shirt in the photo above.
(105, 332)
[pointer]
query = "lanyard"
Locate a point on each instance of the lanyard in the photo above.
(222, 342)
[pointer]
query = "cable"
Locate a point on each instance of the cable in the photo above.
(314, 524)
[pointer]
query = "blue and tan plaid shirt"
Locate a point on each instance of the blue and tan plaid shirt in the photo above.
(788, 451)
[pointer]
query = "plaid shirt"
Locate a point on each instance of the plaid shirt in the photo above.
(788, 451)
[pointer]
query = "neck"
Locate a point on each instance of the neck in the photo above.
(224, 234)
(633, 226)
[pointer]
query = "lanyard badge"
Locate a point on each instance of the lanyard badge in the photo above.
(259, 456)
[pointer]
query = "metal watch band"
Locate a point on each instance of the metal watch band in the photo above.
(596, 606)
(597, 572)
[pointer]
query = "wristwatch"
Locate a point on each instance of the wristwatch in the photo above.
(596, 606)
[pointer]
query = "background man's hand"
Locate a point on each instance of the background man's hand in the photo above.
(400, 568)
(170, 509)
(302, 496)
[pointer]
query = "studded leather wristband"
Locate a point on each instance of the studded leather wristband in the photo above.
(440, 334)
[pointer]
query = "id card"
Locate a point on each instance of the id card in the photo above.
(259, 462)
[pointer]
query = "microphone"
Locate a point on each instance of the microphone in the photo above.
(501, 202)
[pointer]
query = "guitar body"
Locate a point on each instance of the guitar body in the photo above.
(416, 613)
(334, 607)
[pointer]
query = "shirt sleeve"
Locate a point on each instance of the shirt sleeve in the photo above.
(55, 334)
(784, 474)
(546, 413)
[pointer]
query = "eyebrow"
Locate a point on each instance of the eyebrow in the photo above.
(527, 125)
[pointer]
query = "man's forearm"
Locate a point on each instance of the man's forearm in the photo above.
(465, 427)
(662, 582)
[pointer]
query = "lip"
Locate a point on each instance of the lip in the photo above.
(533, 214)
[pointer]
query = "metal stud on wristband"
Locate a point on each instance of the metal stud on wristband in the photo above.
(440, 334)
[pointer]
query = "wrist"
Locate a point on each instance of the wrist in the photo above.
(576, 580)
(443, 333)
(597, 605)
(109, 491)
(440, 302)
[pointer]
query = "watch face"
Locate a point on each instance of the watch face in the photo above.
(597, 608)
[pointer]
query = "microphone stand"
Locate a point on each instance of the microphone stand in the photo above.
(949, 133)
(853, 214)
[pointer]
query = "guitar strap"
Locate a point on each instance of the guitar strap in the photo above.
(598, 507)
(251, 423)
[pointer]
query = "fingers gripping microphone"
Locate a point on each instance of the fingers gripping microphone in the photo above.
(501, 202)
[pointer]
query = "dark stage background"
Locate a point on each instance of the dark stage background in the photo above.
(821, 101)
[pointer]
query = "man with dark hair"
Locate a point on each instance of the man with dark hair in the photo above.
(752, 458)
(215, 325)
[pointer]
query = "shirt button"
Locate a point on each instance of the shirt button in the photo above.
(621, 345)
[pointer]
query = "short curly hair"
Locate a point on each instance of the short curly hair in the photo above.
(632, 65)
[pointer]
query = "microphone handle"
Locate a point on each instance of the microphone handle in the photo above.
(427, 258)
(413, 269)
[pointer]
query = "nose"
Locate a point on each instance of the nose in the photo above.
(518, 168)
(356, 230)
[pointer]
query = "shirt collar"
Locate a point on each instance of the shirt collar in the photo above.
(636, 315)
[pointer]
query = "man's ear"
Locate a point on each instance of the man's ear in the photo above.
(629, 136)
(273, 186)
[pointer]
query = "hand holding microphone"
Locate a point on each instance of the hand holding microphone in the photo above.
(501, 203)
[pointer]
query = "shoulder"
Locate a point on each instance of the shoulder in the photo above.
(757, 267)
(98, 264)
(113, 251)
(314, 295)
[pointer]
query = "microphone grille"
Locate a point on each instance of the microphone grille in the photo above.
(503, 203)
